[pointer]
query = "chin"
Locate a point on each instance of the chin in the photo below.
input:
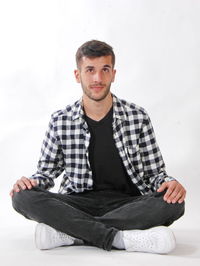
(99, 98)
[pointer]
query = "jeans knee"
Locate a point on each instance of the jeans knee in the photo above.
(180, 209)
(26, 197)
(18, 198)
(23, 202)
(169, 212)
(175, 211)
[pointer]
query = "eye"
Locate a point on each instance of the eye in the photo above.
(106, 69)
(89, 70)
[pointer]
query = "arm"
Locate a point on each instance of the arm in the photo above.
(154, 166)
(51, 162)
(50, 165)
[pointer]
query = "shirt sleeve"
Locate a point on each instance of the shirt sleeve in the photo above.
(51, 162)
(152, 160)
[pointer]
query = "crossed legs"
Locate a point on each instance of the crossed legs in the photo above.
(95, 217)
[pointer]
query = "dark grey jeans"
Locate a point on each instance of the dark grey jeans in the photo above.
(95, 217)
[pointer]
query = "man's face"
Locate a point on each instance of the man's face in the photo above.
(95, 75)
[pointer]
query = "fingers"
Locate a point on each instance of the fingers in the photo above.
(180, 196)
(169, 195)
(25, 183)
(175, 192)
(22, 184)
(162, 187)
(181, 200)
(11, 193)
(33, 182)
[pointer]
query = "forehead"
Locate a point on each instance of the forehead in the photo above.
(96, 61)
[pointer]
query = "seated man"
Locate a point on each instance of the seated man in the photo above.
(115, 191)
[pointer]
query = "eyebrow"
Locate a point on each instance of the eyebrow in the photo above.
(108, 66)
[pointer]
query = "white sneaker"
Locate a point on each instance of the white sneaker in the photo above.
(47, 237)
(159, 240)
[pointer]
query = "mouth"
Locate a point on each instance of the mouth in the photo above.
(97, 87)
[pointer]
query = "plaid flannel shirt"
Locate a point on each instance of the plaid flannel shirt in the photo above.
(65, 148)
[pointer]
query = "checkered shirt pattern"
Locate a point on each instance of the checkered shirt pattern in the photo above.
(65, 149)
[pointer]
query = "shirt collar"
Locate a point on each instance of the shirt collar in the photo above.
(118, 109)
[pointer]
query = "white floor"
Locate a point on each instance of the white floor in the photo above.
(17, 244)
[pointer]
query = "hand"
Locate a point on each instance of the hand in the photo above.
(175, 192)
(22, 184)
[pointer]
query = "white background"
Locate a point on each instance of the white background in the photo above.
(157, 47)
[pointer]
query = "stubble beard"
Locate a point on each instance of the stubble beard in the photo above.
(88, 93)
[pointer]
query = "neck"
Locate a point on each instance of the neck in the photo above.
(96, 110)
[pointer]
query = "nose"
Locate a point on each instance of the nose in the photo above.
(97, 77)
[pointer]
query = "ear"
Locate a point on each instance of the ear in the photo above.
(77, 75)
(114, 72)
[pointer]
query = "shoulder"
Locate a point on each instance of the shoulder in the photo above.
(66, 113)
(130, 108)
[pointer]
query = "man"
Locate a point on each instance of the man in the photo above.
(115, 191)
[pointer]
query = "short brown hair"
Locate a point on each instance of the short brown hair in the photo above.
(94, 49)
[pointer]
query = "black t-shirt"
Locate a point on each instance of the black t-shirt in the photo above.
(107, 167)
